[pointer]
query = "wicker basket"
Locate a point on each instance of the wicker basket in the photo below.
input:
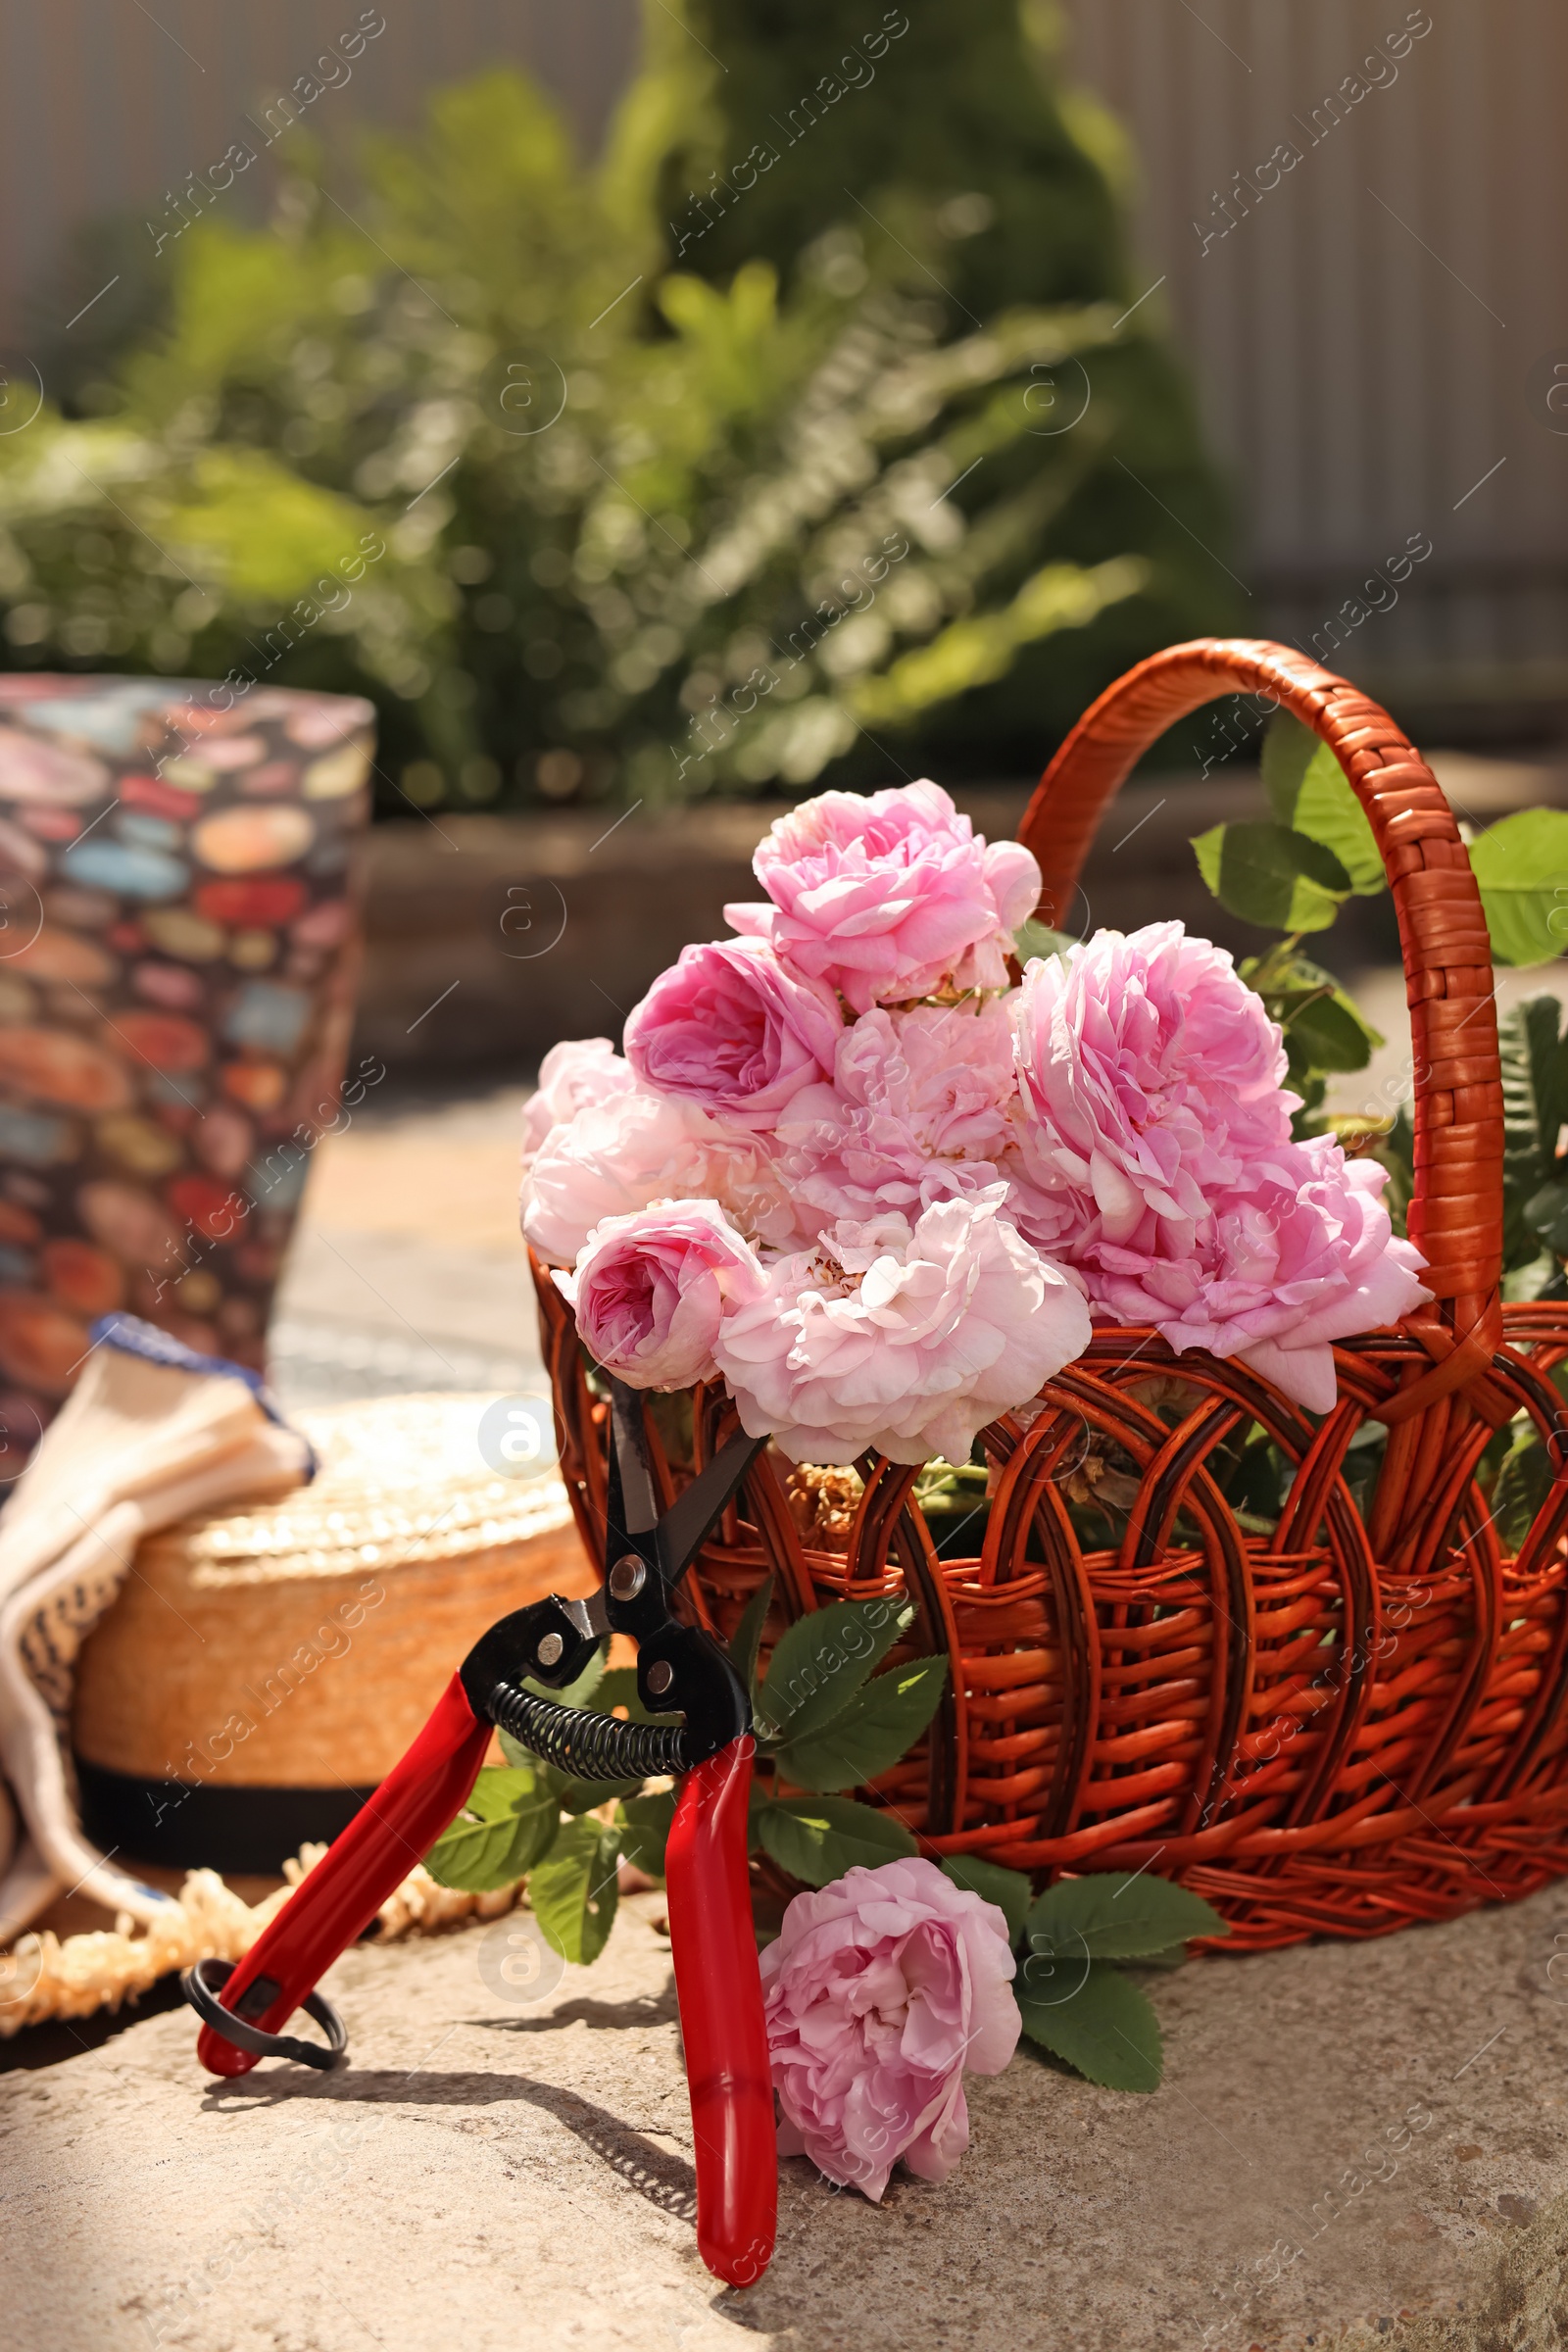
(1335, 1726)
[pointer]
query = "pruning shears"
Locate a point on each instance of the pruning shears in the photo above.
(680, 1670)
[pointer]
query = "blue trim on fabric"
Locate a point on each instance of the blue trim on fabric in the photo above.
(154, 1894)
(134, 1337)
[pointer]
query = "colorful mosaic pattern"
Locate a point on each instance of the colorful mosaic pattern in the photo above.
(178, 949)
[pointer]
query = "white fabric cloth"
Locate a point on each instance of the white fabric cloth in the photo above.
(151, 1434)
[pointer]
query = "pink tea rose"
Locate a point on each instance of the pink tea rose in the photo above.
(880, 1992)
(906, 1339)
(649, 1290)
(573, 1075)
(1149, 1078)
(892, 897)
(619, 1155)
(918, 1109)
(729, 1029)
(1297, 1255)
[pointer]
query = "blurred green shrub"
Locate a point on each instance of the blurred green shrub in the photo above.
(820, 509)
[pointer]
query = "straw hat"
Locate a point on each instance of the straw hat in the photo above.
(260, 1673)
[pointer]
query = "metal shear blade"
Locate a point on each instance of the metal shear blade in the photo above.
(669, 1544)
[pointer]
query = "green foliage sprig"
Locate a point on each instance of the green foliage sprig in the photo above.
(651, 533)
(1074, 2000)
(825, 1721)
(1295, 871)
(829, 1716)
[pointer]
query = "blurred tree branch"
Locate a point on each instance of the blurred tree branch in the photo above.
(873, 478)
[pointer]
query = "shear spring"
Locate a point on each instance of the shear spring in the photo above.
(588, 1745)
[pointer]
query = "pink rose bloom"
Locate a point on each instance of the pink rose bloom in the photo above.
(892, 896)
(1297, 1255)
(648, 1291)
(727, 1027)
(917, 1111)
(619, 1155)
(1149, 1078)
(906, 1339)
(880, 1991)
(573, 1075)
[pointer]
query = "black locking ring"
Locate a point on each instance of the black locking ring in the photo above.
(202, 1986)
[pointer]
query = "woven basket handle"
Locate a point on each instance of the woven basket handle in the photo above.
(1456, 1214)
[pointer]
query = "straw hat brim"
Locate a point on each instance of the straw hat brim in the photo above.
(260, 1673)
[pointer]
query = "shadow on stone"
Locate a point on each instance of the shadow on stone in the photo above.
(645, 2009)
(664, 2179)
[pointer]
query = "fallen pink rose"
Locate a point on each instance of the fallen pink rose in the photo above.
(880, 1992)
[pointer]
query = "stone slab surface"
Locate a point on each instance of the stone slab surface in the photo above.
(501, 2176)
(408, 1270)
(439, 1298)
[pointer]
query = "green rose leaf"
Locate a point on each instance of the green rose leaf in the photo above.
(644, 1823)
(1110, 1916)
(1524, 1482)
(1272, 876)
(1308, 791)
(748, 1637)
(575, 1694)
(615, 1688)
(1288, 750)
(1032, 939)
(503, 1789)
(570, 1795)
(820, 1662)
(507, 1825)
(817, 1838)
(1329, 813)
(1535, 1106)
(882, 1722)
(523, 1759)
(618, 1689)
(1324, 1028)
(994, 1882)
(1520, 863)
(1105, 2029)
(1328, 1029)
(573, 1890)
(586, 1797)
(482, 1855)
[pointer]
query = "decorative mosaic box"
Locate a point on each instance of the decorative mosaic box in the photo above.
(177, 959)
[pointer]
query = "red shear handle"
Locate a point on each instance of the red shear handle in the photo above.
(721, 1993)
(343, 1893)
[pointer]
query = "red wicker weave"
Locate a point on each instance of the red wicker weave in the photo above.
(1333, 1726)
